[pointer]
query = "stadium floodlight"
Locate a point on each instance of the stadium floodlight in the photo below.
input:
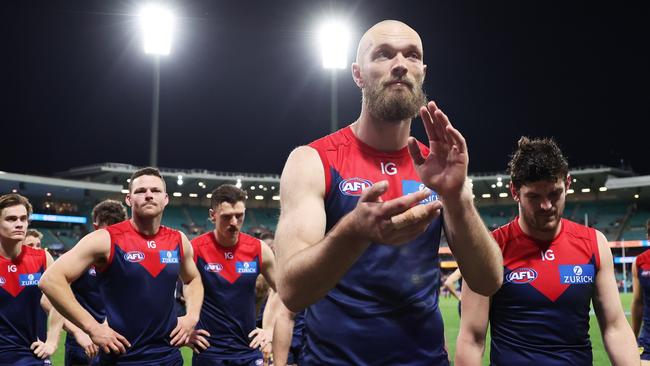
(157, 24)
(333, 38)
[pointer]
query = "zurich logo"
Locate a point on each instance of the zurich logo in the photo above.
(134, 257)
(2, 281)
(213, 267)
(521, 275)
(354, 186)
(577, 270)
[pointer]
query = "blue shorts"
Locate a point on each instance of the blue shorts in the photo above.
(294, 355)
(173, 362)
(209, 361)
(75, 355)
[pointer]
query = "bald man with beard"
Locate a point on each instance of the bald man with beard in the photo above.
(362, 214)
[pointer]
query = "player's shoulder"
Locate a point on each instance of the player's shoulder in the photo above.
(249, 240)
(201, 240)
(170, 233)
(578, 230)
(119, 228)
(29, 252)
(643, 259)
(506, 233)
(333, 140)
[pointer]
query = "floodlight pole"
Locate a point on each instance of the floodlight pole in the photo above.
(153, 154)
(334, 102)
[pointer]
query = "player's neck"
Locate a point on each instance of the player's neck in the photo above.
(10, 249)
(225, 241)
(379, 134)
(543, 236)
(146, 226)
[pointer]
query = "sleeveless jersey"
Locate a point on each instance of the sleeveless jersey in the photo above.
(384, 310)
(137, 286)
(541, 312)
(20, 306)
(86, 291)
(643, 273)
(228, 312)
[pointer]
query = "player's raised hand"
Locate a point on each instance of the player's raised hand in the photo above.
(445, 168)
(183, 331)
(107, 339)
(42, 349)
(391, 222)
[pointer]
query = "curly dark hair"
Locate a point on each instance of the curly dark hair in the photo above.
(537, 160)
(109, 212)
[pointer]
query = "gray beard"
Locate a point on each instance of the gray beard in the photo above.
(394, 107)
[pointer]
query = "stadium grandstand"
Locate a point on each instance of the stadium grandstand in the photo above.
(614, 201)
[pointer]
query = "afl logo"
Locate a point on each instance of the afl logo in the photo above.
(213, 267)
(521, 276)
(2, 281)
(134, 257)
(354, 186)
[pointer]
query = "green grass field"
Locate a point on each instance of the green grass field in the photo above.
(448, 306)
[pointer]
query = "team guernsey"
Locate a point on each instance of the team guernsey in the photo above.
(384, 310)
(643, 274)
(228, 312)
(137, 286)
(20, 304)
(86, 291)
(541, 313)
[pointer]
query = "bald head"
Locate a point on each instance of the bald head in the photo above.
(386, 31)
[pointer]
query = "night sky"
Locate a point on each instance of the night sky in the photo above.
(243, 85)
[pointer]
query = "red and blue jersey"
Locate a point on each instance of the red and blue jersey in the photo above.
(643, 274)
(137, 286)
(384, 310)
(20, 306)
(228, 312)
(86, 291)
(541, 313)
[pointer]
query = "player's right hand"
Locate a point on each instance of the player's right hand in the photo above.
(86, 343)
(397, 221)
(107, 339)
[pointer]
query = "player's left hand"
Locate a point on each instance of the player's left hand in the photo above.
(444, 170)
(267, 351)
(86, 343)
(183, 331)
(42, 349)
(260, 338)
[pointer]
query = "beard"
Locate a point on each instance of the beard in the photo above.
(394, 105)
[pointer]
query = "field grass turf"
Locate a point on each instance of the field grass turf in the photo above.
(448, 306)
